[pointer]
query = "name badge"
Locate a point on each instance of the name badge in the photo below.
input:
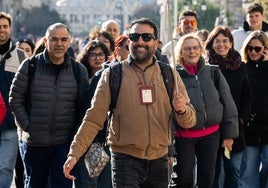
(146, 95)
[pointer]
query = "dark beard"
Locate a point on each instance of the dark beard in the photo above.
(140, 59)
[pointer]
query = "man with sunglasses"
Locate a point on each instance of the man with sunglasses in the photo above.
(187, 23)
(254, 21)
(140, 129)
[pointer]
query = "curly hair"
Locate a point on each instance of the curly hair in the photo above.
(82, 57)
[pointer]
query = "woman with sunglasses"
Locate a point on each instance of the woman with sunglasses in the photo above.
(254, 168)
(121, 49)
(215, 111)
(221, 52)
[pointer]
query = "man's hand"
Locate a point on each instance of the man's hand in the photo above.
(179, 103)
(68, 166)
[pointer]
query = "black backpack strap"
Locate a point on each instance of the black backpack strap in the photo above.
(31, 71)
(115, 80)
(168, 79)
(76, 71)
(115, 83)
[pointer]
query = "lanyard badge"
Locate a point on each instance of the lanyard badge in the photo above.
(146, 95)
(146, 92)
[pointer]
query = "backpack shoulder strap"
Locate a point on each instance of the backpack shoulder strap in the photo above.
(168, 78)
(31, 69)
(115, 83)
(76, 71)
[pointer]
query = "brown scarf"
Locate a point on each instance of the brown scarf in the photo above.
(231, 62)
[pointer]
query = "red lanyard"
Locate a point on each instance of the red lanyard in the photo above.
(140, 82)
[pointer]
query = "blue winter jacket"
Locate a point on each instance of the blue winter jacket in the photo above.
(10, 61)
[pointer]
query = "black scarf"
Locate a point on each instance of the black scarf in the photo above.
(5, 47)
(6, 55)
(231, 62)
(247, 28)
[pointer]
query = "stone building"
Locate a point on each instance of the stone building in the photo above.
(83, 15)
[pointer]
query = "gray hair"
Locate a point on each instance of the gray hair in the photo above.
(56, 25)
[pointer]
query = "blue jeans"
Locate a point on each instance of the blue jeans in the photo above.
(132, 172)
(8, 156)
(227, 173)
(232, 170)
(251, 173)
(45, 163)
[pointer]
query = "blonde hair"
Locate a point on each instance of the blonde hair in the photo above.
(179, 47)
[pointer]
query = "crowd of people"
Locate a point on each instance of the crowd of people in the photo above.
(189, 113)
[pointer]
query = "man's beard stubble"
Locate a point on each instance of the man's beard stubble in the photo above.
(139, 59)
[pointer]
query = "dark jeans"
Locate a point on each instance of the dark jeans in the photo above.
(132, 172)
(19, 172)
(83, 180)
(205, 149)
(43, 163)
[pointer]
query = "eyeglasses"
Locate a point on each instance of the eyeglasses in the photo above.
(256, 48)
(188, 49)
(192, 22)
(224, 41)
(146, 37)
(94, 55)
(55, 39)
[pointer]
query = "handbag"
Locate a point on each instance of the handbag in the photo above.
(96, 159)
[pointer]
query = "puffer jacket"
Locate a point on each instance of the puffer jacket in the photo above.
(211, 97)
(10, 62)
(47, 116)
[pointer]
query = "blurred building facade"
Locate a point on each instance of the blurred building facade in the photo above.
(82, 15)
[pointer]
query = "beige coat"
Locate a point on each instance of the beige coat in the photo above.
(142, 131)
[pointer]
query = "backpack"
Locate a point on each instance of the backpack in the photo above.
(116, 78)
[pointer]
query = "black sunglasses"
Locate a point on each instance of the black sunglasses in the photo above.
(256, 48)
(146, 37)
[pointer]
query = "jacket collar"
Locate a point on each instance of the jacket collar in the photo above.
(247, 28)
(67, 59)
